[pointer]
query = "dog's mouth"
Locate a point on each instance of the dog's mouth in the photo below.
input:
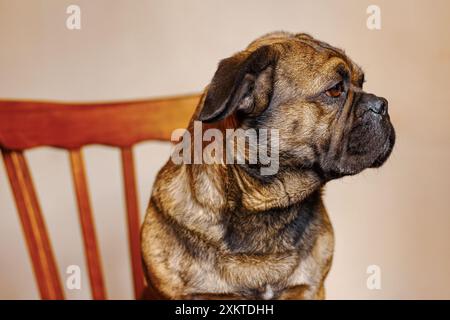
(388, 146)
(366, 149)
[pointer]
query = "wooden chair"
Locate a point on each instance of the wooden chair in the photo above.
(28, 124)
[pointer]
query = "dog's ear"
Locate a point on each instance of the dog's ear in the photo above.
(243, 83)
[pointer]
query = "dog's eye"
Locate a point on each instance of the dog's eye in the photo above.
(336, 90)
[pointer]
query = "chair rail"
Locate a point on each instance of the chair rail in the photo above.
(28, 124)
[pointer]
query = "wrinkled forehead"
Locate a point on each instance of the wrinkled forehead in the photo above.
(332, 58)
(320, 61)
(302, 55)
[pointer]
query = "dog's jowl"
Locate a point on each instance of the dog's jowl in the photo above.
(221, 229)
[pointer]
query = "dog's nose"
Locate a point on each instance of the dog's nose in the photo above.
(379, 105)
(373, 103)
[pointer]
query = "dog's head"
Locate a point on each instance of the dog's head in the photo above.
(313, 94)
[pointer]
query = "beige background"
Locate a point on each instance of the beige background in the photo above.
(397, 217)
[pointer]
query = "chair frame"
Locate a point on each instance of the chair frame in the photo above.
(71, 126)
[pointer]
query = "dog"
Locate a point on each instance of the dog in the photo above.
(225, 231)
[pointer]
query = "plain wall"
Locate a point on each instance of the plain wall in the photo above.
(396, 217)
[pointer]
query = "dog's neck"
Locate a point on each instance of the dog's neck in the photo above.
(253, 193)
(286, 188)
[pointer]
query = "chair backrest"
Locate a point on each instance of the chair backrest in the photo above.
(28, 124)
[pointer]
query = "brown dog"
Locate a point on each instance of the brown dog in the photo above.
(227, 231)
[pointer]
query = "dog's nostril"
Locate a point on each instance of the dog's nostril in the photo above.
(379, 106)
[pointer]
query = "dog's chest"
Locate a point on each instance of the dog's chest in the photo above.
(267, 294)
(271, 231)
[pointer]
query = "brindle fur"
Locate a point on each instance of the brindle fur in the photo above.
(226, 232)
